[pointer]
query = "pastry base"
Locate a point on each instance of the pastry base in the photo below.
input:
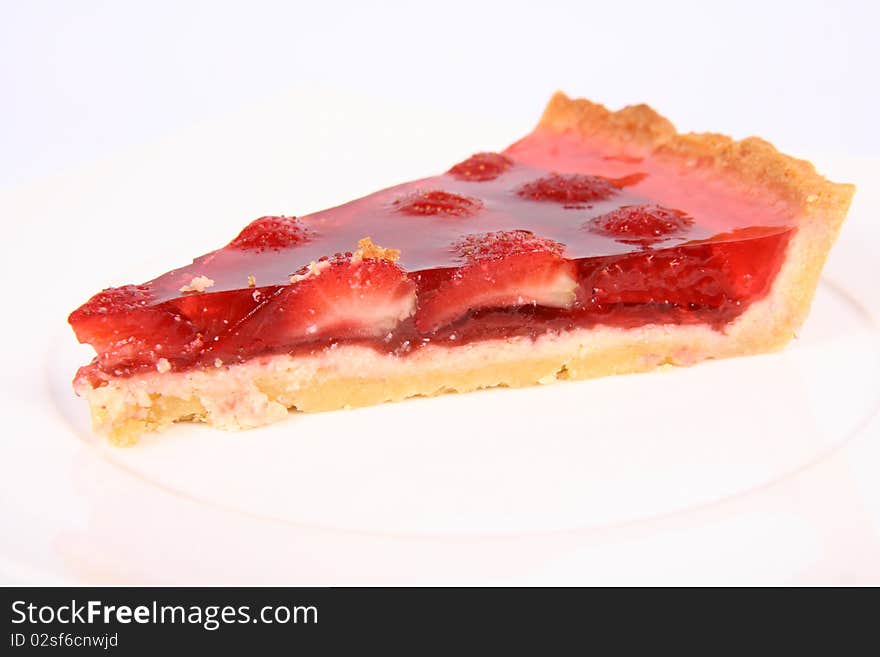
(262, 390)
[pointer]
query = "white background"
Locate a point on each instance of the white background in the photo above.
(83, 80)
(190, 118)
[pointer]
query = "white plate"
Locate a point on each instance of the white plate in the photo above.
(501, 485)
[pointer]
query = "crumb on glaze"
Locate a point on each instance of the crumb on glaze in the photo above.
(368, 250)
(198, 284)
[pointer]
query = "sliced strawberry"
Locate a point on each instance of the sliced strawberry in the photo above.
(348, 299)
(503, 269)
(641, 224)
(271, 233)
(144, 338)
(214, 314)
(676, 276)
(341, 297)
(703, 275)
(113, 301)
(126, 330)
(569, 189)
(745, 262)
(437, 202)
(481, 167)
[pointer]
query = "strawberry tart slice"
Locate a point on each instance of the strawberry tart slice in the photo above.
(602, 243)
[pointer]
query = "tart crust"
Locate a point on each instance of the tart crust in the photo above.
(263, 389)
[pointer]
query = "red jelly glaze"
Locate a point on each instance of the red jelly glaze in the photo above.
(642, 241)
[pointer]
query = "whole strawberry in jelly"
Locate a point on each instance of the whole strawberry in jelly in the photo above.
(271, 233)
(481, 167)
(436, 202)
(572, 189)
(641, 224)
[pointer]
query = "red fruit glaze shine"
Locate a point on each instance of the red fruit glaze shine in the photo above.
(549, 235)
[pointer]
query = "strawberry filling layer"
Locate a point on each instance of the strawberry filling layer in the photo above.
(549, 236)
